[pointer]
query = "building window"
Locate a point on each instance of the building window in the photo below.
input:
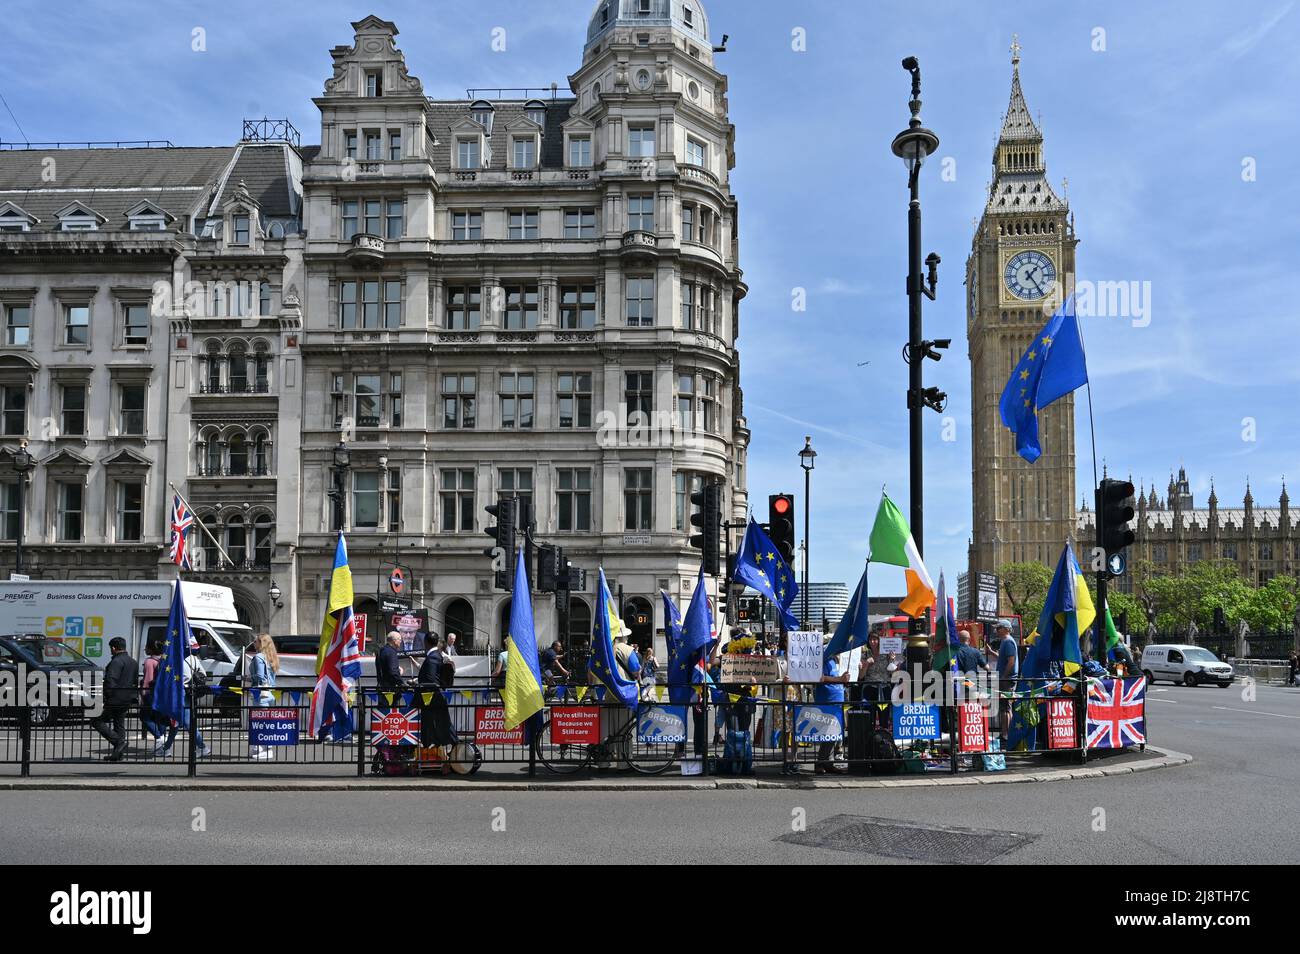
(393, 218)
(641, 213)
(578, 307)
(239, 229)
(695, 152)
(684, 485)
(640, 302)
(365, 499)
(350, 209)
(350, 144)
(366, 394)
(466, 226)
(133, 409)
(516, 482)
(639, 396)
(1193, 552)
(1266, 551)
(374, 84)
(394, 146)
(68, 514)
(688, 223)
(72, 421)
(338, 399)
(14, 411)
(638, 499)
(688, 306)
(524, 152)
(641, 140)
(263, 541)
(1160, 554)
(467, 154)
(394, 499)
(458, 401)
(523, 224)
(457, 501)
(76, 324)
(516, 400)
(395, 399)
(709, 404)
(573, 395)
(463, 307)
(379, 300)
(18, 325)
(579, 223)
(573, 500)
(521, 307)
(238, 450)
(130, 510)
(370, 220)
(580, 152)
(135, 324)
(9, 510)
(686, 401)
(263, 298)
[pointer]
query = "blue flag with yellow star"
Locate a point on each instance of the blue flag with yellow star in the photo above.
(169, 685)
(679, 657)
(602, 665)
(760, 566)
(1051, 367)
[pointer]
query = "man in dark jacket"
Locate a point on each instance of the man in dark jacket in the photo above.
(436, 674)
(120, 696)
(388, 665)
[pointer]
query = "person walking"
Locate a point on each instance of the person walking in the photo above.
(436, 728)
(120, 695)
(150, 722)
(1008, 671)
(195, 679)
(262, 663)
(1293, 668)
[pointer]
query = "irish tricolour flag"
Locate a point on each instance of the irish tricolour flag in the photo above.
(891, 542)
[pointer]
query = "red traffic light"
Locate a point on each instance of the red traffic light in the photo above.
(781, 505)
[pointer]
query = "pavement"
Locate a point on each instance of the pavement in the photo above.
(1231, 804)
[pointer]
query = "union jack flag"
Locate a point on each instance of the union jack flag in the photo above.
(340, 671)
(182, 521)
(1117, 713)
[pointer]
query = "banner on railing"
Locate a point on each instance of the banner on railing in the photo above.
(657, 724)
(1117, 713)
(490, 727)
(575, 725)
(1060, 724)
(915, 720)
(818, 723)
(272, 726)
(973, 723)
(395, 726)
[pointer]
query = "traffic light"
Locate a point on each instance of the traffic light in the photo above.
(709, 519)
(780, 518)
(1114, 511)
(550, 560)
(504, 533)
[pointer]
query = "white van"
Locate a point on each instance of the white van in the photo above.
(1190, 665)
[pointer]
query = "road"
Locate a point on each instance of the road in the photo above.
(1233, 805)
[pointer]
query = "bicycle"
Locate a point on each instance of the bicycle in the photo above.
(621, 745)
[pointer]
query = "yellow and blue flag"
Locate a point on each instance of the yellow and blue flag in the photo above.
(169, 684)
(338, 663)
(340, 595)
(522, 693)
(1067, 613)
(760, 566)
(602, 664)
(1051, 367)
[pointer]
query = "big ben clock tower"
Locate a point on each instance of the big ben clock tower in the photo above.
(1022, 252)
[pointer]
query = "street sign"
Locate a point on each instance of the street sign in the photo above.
(397, 581)
(19, 578)
(391, 604)
(1116, 564)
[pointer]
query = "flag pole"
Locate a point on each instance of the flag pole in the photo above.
(199, 523)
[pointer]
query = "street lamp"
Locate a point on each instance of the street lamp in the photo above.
(342, 458)
(807, 460)
(274, 593)
(913, 145)
(23, 464)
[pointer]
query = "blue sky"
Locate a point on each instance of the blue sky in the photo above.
(1151, 131)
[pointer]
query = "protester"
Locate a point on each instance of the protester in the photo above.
(195, 677)
(435, 715)
(876, 667)
(625, 655)
(388, 664)
(119, 697)
(969, 659)
(150, 721)
(830, 691)
(649, 668)
(1008, 670)
(262, 664)
(451, 645)
(1124, 658)
(551, 665)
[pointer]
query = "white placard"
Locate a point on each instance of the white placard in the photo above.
(804, 656)
(891, 644)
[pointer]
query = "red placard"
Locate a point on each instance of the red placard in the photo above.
(974, 722)
(490, 727)
(1060, 724)
(575, 725)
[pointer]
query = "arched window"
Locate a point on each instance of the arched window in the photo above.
(211, 556)
(261, 454)
(212, 454)
(458, 618)
(263, 541)
(579, 625)
(236, 540)
(639, 617)
(238, 454)
(212, 373)
(261, 368)
(238, 369)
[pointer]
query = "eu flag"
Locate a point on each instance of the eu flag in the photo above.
(760, 566)
(1050, 368)
(602, 664)
(169, 684)
(854, 626)
(679, 657)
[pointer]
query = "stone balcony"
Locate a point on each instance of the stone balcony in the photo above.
(366, 249)
(639, 244)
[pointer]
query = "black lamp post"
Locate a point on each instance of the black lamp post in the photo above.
(23, 464)
(342, 459)
(807, 460)
(913, 145)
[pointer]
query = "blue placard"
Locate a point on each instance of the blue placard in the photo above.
(273, 727)
(661, 724)
(915, 720)
(818, 723)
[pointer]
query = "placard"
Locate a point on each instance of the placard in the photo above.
(818, 723)
(660, 724)
(396, 726)
(973, 721)
(804, 656)
(915, 720)
(272, 726)
(750, 670)
(891, 644)
(490, 727)
(575, 725)
(1060, 724)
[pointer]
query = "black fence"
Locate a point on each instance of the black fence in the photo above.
(1276, 645)
(731, 730)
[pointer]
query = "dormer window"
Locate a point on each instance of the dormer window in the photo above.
(14, 219)
(604, 16)
(524, 152)
(374, 84)
(468, 155)
(145, 217)
(482, 113)
(239, 228)
(688, 16)
(78, 222)
(536, 112)
(643, 7)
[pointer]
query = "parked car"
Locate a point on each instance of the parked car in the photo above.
(48, 655)
(1190, 665)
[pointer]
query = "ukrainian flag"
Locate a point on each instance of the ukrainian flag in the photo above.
(1067, 613)
(522, 693)
(340, 596)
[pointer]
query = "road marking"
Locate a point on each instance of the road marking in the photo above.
(1275, 715)
(1172, 702)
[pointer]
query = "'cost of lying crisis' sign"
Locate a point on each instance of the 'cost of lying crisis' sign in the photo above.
(916, 720)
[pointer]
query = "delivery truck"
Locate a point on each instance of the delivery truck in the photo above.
(85, 614)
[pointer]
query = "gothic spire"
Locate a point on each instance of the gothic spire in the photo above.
(1018, 125)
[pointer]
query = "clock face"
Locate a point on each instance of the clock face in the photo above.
(1030, 275)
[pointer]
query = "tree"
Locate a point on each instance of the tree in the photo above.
(1271, 607)
(1026, 585)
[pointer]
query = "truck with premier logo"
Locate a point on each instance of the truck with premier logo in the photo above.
(85, 614)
